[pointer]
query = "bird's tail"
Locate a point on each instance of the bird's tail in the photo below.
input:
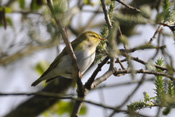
(41, 78)
(36, 82)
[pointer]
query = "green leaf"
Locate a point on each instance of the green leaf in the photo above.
(21, 4)
(83, 110)
(146, 11)
(9, 21)
(166, 4)
(3, 21)
(36, 4)
(8, 10)
(171, 89)
(41, 67)
(138, 105)
(166, 13)
(60, 7)
(146, 96)
(88, 2)
(159, 82)
(159, 62)
(123, 39)
(64, 107)
(167, 110)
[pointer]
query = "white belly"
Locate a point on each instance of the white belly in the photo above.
(84, 60)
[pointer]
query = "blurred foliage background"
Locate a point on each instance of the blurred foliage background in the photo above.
(30, 40)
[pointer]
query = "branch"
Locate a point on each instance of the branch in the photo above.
(121, 65)
(76, 73)
(128, 6)
(123, 72)
(129, 96)
(25, 52)
(66, 41)
(58, 96)
(37, 104)
(91, 79)
(143, 62)
(142, 47)
(155, 33)
(55, 96)
(88, 84)
(106, 14)
(81, 94)
(104, 77)
(27, 12)
(116, 72)
(122, 84)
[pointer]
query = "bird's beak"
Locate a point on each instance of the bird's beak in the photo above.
(104, 39)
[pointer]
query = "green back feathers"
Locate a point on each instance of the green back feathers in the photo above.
(89, 36)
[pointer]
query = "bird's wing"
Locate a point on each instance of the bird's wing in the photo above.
(51, 67)
(57, 60)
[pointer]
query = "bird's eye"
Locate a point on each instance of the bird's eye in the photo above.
(94, 36)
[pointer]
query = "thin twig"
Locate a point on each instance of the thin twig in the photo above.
(122, 84)
(157, 50)
(102, 78)
(140, 61)
(25, 52)
(123, 72)
(129, 96)
(78, 103)
(144, 63)
(27, 12)
(154, 36)
(142, 47)
(106, 14)
(116, 72)
(121, 65)
(55, 95)
(92, 11)
(87, 86)
(128, 6)
(109, 24)
(120, 35)
(91, 79)
(60, 96)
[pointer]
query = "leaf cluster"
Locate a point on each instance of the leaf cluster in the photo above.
(165, 95)
(64, 108)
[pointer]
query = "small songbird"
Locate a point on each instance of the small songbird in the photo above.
(84, 47)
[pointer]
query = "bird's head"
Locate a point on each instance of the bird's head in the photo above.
(92, 37)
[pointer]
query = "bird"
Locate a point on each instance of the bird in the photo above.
(84, 47)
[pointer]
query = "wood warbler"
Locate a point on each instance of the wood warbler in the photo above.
(84, 47)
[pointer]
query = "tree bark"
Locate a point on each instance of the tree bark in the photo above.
(38, 104)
